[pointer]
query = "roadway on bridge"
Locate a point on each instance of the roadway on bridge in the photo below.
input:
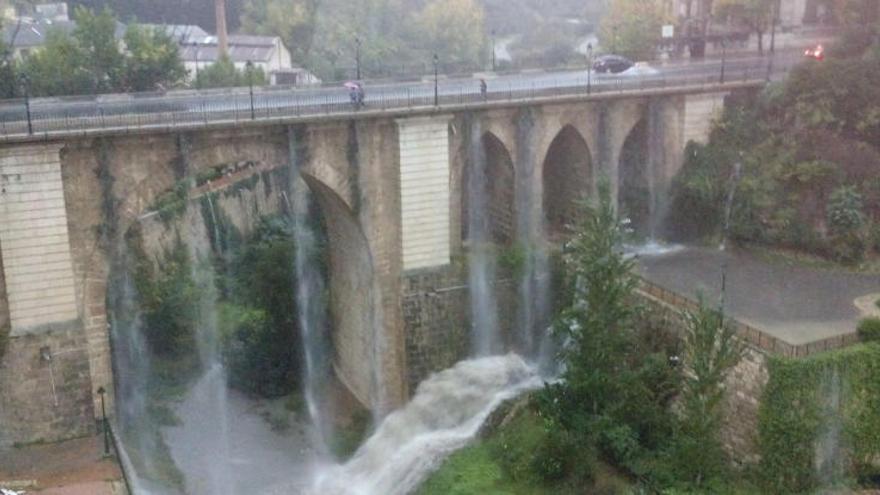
(190, 108)
(795, 303)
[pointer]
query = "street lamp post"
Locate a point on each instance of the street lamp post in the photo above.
(614, 39)
(104, 425)
(357, 57)
(589, 68)
(723, 57)
(26, 86)
(249, 66)
(436, 89)
(493, 50)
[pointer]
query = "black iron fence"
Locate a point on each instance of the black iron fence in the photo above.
(48, 117)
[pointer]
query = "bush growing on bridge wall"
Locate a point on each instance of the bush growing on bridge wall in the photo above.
(793, 407)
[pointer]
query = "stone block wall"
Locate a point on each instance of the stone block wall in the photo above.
(436, 311)
(46, 399)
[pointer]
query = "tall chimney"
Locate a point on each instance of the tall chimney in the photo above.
(220, 12)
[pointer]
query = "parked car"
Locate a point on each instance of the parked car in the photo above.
(612, 64)
(815, 52)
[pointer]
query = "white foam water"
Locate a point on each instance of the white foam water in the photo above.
(651, 247)
(445, 414)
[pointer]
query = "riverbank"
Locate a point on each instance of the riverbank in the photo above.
(73, 467)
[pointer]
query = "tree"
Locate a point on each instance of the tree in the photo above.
(292, 20)
(153, 60)
(756, 15)
(614, 394)
(58, 68)
(7, 72)
(632, 28)
(223, 74)
(453, 28)
(710, 352)
(95, 38)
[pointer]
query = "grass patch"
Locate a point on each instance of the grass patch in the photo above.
(350, 436)
(504, 464)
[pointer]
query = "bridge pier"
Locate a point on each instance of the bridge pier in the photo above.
(45, 372)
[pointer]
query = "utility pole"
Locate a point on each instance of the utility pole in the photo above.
(493, 50)
(436, 86)
(589, 68)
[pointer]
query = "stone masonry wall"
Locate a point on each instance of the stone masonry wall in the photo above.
(45, 400)
(436, 311)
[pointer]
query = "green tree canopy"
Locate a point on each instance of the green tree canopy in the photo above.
(632, 28)
(223, 74)
(153, 60)
(454, 30)
(93, 60)
(292, 20)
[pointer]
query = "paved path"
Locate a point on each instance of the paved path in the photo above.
(74, 467)
(794, 303)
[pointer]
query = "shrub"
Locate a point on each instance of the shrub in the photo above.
(793, 411)
(869, 329)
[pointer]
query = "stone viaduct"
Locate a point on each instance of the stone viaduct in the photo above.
(390, 184)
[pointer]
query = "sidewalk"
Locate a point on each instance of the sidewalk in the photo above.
(73, 467)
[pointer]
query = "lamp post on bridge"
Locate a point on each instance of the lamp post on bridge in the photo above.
(589, 68)
(357, 57)
(436, 88)
(723, 56)
(26, 86)
(104, 424)
(249, 70)
(493, 50)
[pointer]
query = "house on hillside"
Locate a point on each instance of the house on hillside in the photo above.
(199, 49)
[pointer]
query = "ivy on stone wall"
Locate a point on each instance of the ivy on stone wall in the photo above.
(832, 396)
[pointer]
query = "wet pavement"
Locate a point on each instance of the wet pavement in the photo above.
(795, 303)
(73, 467)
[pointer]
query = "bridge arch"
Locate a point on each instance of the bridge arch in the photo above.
(352, 292)
(567, 177)
(634, 184)
(497, 184)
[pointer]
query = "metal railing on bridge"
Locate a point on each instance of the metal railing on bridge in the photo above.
(63, 117)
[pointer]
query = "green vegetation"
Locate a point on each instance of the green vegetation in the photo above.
(797, 411)
(808, 150)
(869, 329)
(350, 435)
(90, 60)
(696, 456)
(508, 463)
(223, 74)
(169, 300)
(632, 28)
(258, 313)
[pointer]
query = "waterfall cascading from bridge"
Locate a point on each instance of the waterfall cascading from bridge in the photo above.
(131, 364)
(485, 333)
(310, 305)
(444, 415)
(534, 284)
(212, 387)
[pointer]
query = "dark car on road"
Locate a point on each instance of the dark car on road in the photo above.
(612, 64)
